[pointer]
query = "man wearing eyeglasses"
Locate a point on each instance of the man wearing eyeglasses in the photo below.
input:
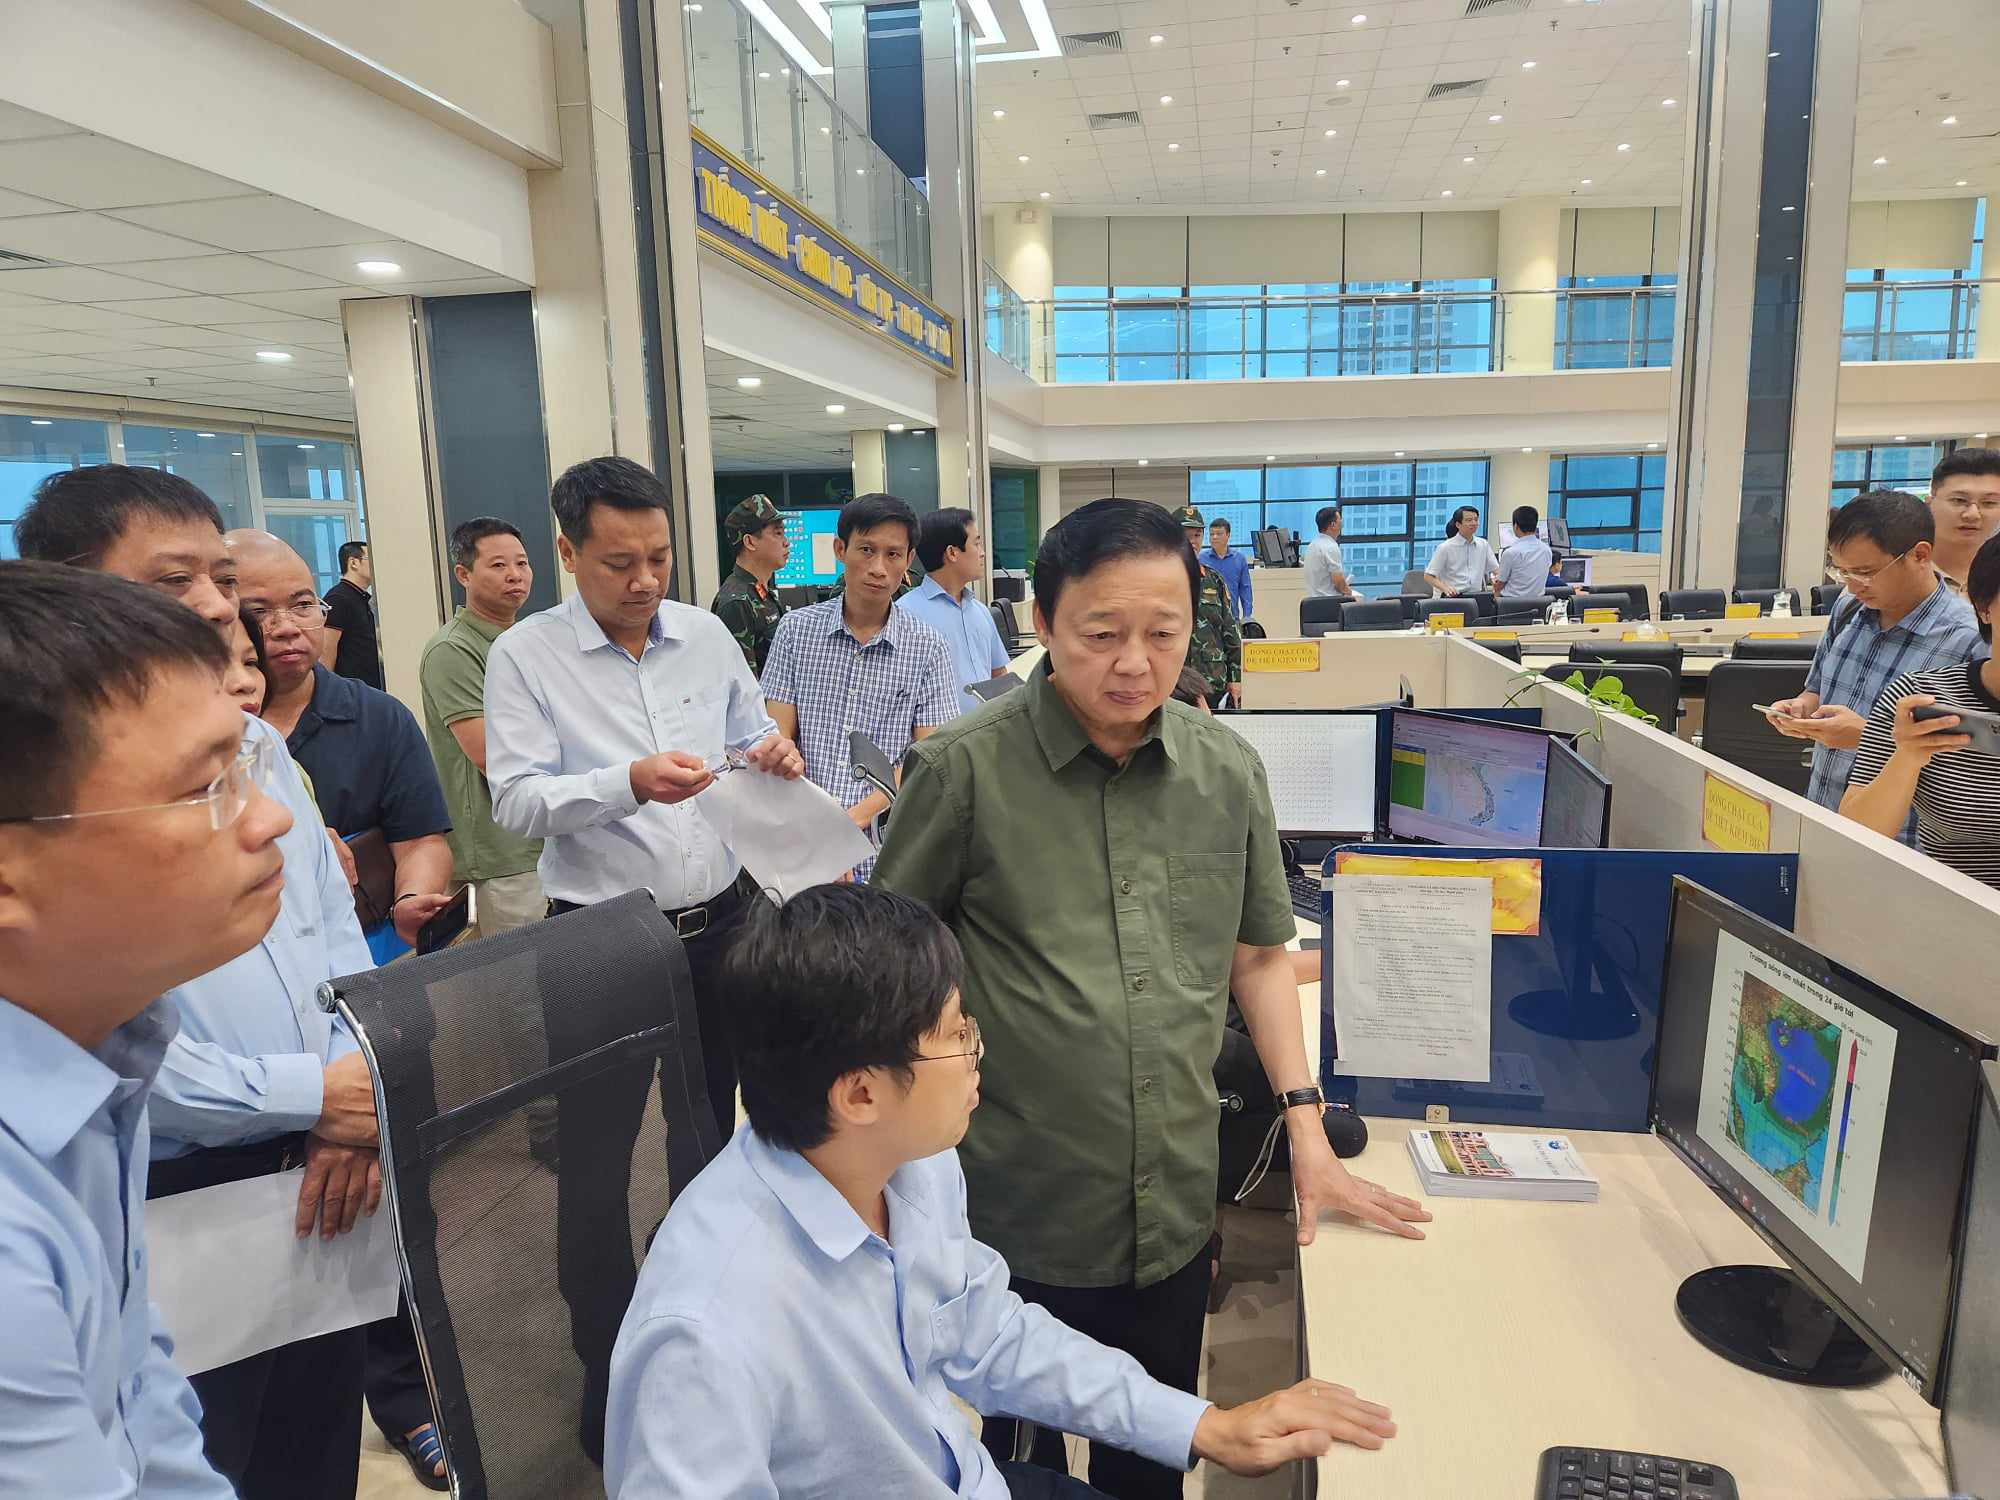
(139, 847)
(259, 1079)
(1965, 507)
(1892, 619)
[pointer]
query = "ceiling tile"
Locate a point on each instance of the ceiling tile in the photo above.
(93, 171)
(88, 239)
(196, 310)
(75, 284)
(219, 274)
(417, 265)
(23, 124)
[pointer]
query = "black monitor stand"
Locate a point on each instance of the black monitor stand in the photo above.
(1765, 1319)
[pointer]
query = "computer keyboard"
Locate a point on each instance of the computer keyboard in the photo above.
(1305, 892)
(1615, 1474)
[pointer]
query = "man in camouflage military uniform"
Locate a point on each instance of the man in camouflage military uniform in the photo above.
(746, 602)
(1216, 649)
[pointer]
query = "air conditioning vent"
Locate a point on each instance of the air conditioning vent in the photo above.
(729, 416)
(14, 260)
(1461, 88)
(1495, 7)
(1092, 43)
(1123, 119)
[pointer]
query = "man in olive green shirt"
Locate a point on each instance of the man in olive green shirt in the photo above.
(1109, 862)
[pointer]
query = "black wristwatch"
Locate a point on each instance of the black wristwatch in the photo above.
(1298, 1099)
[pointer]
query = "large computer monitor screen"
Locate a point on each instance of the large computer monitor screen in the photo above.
(1972, 1379)
(1321, 767)
(1270, 544)
(1576, 805)
(811, 534)
(1558, 533)
(1833, 1116)
(1461, 781)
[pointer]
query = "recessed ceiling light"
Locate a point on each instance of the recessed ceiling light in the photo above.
(204, 434)
(1624, 145)
(749, 382)
(1881, 161)
(1527, 450)
(1270, 458)
(763, 75)
(1446, 193)
(1143, 462)
(836, 410)
(274, 356)
(1949, 120)
(894, 427)
(1166, 98)
(921, 432)
(1467, 160)
(999, 114)
(1668, 103)
(1341, 83)
(826, 130)
(40, 422)
(693, 7)
(1021, 159)
(1959, 183)
(1399, 453)
(1357, 20)
(1173, 145)
(1330, 134)
(1045, 195)
(1494, 119)
(1652, 445)
(1321, 172)
(306, 447)
(1586, 182)
(1789, 208)
(1981, 436)
(1528, 66)
(238, 452)
(1902, 437)
(377, 267)
(1156, 39)
(860, 171)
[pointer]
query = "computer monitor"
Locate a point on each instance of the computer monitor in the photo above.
(1972, 1377)
(1270, 544)
(1558, 533)
(986, 689)
(1465, 781)
(1321, 767)
(1836, 1119)
(1575, 570)
(811, 533)
(1576, 803)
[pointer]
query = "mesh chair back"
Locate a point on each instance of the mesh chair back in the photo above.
(1694, 604)
(1609, 599)
(1765, 598)
(1751, 648)
(1009, 621)
(1734, 730)
(1466, 608)
(1488, 602)
(1644, 653)
(1372, 614)
(1652, 688)
(1416, 582)
(518, 1273)
(1000, 624)
(1319, 610)
(1823, 596)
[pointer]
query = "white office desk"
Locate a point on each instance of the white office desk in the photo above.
(1516, 1327)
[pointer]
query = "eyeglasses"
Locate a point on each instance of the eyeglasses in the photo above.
(730, 760)
(304, 612)
(251, 771)
(970, 1040)
(1986, 504)
(1865, 575)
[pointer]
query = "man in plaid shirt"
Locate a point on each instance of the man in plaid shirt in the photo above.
(854, 662)
(1892, 619)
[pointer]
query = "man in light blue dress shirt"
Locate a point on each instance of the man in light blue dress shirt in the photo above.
(1232, 565)
(1523, 567)
(815, 1300)
(606, 717)
(258, 1078)
(954, 554)
(138, 848)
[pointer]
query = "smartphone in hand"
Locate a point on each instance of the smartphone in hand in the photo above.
(1982, 725)
(447, 922)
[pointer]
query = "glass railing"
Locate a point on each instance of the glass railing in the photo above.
(1884, 321)
(748, 96)
(1006, 321)
(1352, 333)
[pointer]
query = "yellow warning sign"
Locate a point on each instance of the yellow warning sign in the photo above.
(1734, 820)
(1281, 656)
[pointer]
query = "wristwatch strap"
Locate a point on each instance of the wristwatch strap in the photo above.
(1299, 1098)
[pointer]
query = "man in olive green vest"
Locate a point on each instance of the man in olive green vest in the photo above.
(746, 602)
(1216, 650)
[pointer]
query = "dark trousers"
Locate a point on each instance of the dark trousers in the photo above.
(1026, 1482)
(280, 1425)
(595, 1269)
(1160, 1326)
(398, 1399)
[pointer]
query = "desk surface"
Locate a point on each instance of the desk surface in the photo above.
(1520, 1326)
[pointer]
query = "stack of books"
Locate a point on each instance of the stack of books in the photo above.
(1488, 1164)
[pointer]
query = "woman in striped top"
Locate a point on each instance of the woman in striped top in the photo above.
(1929, 764)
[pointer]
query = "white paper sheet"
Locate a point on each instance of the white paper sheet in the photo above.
(1412, 968)
(232, 1280)
(789, 834)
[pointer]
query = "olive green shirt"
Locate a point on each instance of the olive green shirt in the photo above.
(1098, 907)
(453, 672)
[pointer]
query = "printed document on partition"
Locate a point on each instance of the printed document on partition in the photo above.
(1412, 967)
(789, 834)
(231, 1279)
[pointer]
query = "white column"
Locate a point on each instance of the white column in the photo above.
(1987, 335)
(871, 462)
(1048, 499)
(849, 41)
(1530, 242)
(1515, 479)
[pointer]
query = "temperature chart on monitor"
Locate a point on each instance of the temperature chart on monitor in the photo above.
(1321, 768)
(1794, 1090)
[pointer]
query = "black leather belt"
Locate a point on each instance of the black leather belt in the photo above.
(215, 1165)
(692, 921)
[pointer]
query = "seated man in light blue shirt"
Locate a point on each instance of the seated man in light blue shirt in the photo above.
(1523, 567)
(1231, 564)
(954, 554)
(138, 848)
(815, 1298)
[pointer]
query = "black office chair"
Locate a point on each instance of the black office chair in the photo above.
(1823, 596)
(1653, 689)
(1641, 597)
(1466, 609)
(1693, 604)
(1733, 729)
(1372, 614)
(1765, 598)
(1640, 653)
(1321, 610)
(1758, 648)
(1618, 600)
(1416, 581)
(1250, 630)
(1489, 606)
(518, 1274)
(1408, 603)
(1010, 588)
(1558, 591)
(1009, 623)
(1509, 649)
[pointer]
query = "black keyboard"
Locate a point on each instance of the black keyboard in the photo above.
(1598, 1473)
(1305, 892)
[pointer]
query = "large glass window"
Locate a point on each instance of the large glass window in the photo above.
(1612, 501)
(32, 448)
(1889, 466)
(1904, 312)
(1392, 514)
(1614, 322)
(212, 461)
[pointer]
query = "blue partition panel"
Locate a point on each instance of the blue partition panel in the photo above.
(1576, 1007)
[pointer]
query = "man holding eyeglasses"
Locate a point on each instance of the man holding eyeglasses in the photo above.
(816, 1298)
(139, 847)
(1965, 507)
(1893, 619)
